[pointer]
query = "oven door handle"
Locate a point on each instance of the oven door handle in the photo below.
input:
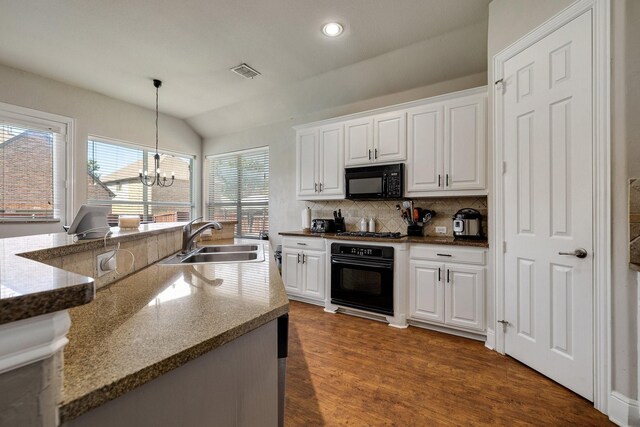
(380, 264)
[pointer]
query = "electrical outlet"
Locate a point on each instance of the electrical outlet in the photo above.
(441, 230)
(109, 265)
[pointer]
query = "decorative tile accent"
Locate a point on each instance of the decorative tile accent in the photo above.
(388, 219)
(634, 221)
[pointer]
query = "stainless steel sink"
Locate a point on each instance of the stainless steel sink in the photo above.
(222, 254)
(228, 248)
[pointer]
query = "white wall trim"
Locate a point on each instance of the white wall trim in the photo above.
(490, 342)
(622, 410)
(30, 340)
(601, 184)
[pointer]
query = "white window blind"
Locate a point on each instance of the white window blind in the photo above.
(239, 190)
(112, 179)
(32, 171)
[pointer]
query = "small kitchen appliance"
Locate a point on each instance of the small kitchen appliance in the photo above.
(467, 224)
(375, 182)
(323, 225)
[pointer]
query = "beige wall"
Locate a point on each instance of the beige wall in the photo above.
(285, 210)
(97, 115)
(508, 21)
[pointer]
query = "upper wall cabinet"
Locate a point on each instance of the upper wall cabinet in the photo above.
(320, 163)
(447, 147)
(442, 140)
(378, 139)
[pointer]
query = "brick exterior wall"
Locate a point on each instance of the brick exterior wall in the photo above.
(27, 173)
(26, 181)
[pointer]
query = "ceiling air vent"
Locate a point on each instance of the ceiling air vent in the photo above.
(245, 71)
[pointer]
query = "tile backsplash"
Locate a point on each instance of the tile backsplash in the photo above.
(634, 221)
(388, 219)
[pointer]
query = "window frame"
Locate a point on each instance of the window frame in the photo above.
(207, 171)
(192, 187)
(62, 125)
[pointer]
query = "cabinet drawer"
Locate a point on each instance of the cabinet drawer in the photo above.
(448, 254)
(309, 243)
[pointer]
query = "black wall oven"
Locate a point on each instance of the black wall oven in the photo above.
(362, 277)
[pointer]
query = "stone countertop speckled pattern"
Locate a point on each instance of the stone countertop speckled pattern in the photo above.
(160, 318)
(29, 288)
(634, 266)
(430, 240)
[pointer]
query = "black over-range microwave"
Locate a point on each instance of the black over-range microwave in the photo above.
(375, 182)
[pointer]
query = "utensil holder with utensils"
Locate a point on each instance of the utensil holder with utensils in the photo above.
(415, 218)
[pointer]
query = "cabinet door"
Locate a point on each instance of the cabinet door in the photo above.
(331, 161)
(465, 143)
(291, 271)
(358, 142)
(426, 296)
(464, 296)
(390, 137)
(425, 142)
(307, 163)
(313, 271)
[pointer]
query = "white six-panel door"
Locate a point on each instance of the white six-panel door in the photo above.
(548, 206)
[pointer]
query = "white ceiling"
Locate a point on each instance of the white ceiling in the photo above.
(116, 47)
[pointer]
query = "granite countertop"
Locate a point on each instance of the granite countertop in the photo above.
(160, 318)
(431, 240)
(634, 266)
(29, 289)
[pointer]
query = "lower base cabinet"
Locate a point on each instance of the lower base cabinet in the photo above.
(447, 293)
(303, 270)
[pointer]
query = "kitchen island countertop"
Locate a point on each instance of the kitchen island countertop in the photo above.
(160, 318)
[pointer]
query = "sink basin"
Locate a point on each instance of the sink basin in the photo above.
(228, 248)
(220, 257)
(229, 254)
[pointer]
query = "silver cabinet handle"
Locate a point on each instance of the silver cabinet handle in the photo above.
(302, 244)
(369, 154)
(303, 258)
(448, 276)
(320, 188)
(578, 253)
(439, 181)
(444, 255)
(439, 275)
(375, 156)
(447, 182)
(315, 187)
(298, 258)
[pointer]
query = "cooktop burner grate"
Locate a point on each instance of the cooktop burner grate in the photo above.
(370, 234)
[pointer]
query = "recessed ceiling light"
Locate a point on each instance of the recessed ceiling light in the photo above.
(332, 29)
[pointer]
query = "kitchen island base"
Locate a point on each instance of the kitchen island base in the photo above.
(233, 385)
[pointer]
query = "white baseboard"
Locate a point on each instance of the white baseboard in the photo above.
(490, 343)
(622, 410)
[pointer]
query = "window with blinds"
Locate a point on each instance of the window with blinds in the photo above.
(238, 186)
(32, 170)
(113, 179)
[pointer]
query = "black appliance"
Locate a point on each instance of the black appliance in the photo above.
(322, 225)
(362, 277)
(467, 224)
(375, 182)
(370, 234)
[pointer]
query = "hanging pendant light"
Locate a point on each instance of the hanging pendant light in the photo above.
(161, 181)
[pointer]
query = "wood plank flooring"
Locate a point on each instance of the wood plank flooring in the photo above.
(344, 370)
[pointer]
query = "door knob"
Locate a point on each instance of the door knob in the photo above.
(579, 253)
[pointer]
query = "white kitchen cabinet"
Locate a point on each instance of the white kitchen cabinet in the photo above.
(320, 163)
(447, 293)
(447, 147)
(303, 268)
(377, 139)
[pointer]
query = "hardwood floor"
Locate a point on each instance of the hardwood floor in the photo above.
(344, 370)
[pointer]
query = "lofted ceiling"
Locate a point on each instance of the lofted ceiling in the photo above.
(116, 47)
